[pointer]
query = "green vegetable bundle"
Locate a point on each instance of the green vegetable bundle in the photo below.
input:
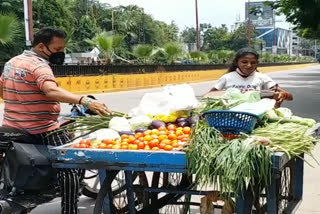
(291, 138)
(226, 164)
(82, 126)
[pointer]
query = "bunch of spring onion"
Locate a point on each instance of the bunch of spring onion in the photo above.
(82, 126)
(291, 138)
(226, 164)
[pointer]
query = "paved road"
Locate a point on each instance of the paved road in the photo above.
(303, 83)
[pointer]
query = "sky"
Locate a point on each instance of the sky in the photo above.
(215, 12)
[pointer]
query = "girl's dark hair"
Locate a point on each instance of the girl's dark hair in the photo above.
(241, 53)
(45, 35)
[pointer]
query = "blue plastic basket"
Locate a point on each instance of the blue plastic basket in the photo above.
(231, 122)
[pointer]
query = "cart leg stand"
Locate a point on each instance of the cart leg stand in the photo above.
(104, 193)
(242, 204)
(273, 194)
(298, 179)
(130, 193)
(106, 203)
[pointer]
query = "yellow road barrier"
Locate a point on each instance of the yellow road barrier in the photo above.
(101, 84)
(120, 82)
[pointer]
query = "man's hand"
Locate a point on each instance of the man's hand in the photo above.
(98, 107)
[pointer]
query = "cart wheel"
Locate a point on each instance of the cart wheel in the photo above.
(119, 199)
(91, 184)
(181, 206)
(284, 192)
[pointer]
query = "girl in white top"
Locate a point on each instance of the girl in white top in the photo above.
(243, 74)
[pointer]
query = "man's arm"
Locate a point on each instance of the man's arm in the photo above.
(1, 90)
(1, 86)
(54, 92)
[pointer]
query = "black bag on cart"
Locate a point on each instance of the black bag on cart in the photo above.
(27, 166)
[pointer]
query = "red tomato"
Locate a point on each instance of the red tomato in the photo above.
(148, 132)
(162, 133)
(76, 145)
(168, 148)
(175, 145)
(162, 145)
(141, 145)
(172, 137)
(180, 137)
(136, 142)
(179, 132)
(138, 134)
(124, 136)
(171, 127)
(171, 132)
(166, 141)
(125, 140)
(124, 146)
(162, 137)
(187, 130)
(162, 128)
(147, 147)
(154, 136)
(147, 138)
(83, 145)
(154, 131)
(131, 139)
(133, 146)
(124, 143)
(117, 146)
(153, 143)
(102, 146)
(107, 141)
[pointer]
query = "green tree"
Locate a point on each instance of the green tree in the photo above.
(143, 52)
(107, 43)
(221, 56)
(199, 56)
(54, 13)
(10, 28)
(216, 38)
(160, 57)
(188, 36)
(173, 50)
(10, 31)
(304, 15)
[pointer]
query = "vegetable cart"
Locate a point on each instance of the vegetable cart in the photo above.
(143, 195)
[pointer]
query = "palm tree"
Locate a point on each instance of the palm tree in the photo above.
(199, 56)
(174, 50)
(107, 43)
(10, 28)
(143, 52)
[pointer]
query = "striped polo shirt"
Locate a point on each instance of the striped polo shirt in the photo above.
(25, 105)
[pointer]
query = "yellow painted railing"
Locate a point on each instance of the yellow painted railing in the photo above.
(119, 82)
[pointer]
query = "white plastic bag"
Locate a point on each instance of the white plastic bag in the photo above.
(171, 98)
(258, 108)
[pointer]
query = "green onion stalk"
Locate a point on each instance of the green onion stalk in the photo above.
(86, 125)
(227, 165)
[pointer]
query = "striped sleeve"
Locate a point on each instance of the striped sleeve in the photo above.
(43, 73)
(1, 80)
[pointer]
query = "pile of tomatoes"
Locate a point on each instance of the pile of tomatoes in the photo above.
(164, 138)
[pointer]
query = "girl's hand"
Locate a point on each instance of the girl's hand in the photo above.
(280, 97)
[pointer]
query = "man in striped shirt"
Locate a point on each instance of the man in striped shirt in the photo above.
(31, 101)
